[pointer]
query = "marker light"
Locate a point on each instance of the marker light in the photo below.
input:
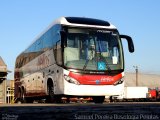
(120, 81)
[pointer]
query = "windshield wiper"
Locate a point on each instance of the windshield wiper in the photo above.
(86, 63)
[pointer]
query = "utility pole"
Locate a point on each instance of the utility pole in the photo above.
(136, 69)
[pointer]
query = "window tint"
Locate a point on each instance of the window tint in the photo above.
(38, 45)
(45, 42)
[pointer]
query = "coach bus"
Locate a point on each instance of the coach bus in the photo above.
(73, 57)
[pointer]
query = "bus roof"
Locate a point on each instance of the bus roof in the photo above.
(79, 22)
(84, 22)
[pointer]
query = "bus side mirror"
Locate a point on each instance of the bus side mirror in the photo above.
(130, 42)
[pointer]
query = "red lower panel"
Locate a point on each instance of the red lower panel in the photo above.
(95, 79)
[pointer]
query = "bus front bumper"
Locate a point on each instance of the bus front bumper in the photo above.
(93, 90)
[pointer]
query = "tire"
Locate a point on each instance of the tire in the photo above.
(18, 99)
(98, 99)
(23, 99)
(111, 99)
(52, 98)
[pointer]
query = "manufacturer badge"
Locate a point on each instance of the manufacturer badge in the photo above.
(97, 82)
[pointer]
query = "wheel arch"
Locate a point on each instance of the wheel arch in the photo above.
(49, 83)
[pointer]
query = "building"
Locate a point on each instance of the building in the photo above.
(3, 77)
(9, 91)
(3, 70)
(6, 86)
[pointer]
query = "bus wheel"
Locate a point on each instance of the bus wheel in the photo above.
(50, 90)
(52, 97)
(23, 99)
(20, 98)
(111, 99)
(98, 99)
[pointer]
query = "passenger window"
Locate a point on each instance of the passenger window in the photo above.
(38, 45)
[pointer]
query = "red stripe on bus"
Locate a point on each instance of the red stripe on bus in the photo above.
(95, 79)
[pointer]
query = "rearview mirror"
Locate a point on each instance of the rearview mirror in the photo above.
(130, 42)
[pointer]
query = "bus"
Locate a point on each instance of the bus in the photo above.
(73, 57)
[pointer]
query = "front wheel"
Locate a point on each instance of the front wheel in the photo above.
(98, 99)
(50, 90)
(52, 98)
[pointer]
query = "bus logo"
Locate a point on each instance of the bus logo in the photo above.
(97, 82)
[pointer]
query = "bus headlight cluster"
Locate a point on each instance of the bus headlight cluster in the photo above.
(120, 81)
(71, 80)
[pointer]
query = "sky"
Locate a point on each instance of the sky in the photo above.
(21, 21)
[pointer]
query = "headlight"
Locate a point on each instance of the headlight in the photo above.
(119, 81)
(71, 80)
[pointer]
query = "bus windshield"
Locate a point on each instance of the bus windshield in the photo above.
(93, 49)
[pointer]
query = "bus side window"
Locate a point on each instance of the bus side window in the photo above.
(38, 45)
(58, 53)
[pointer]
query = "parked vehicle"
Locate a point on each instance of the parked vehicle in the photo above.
(133, 94)
(74, 57)
(152, 94)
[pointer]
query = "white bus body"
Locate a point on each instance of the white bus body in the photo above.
(73, 57)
